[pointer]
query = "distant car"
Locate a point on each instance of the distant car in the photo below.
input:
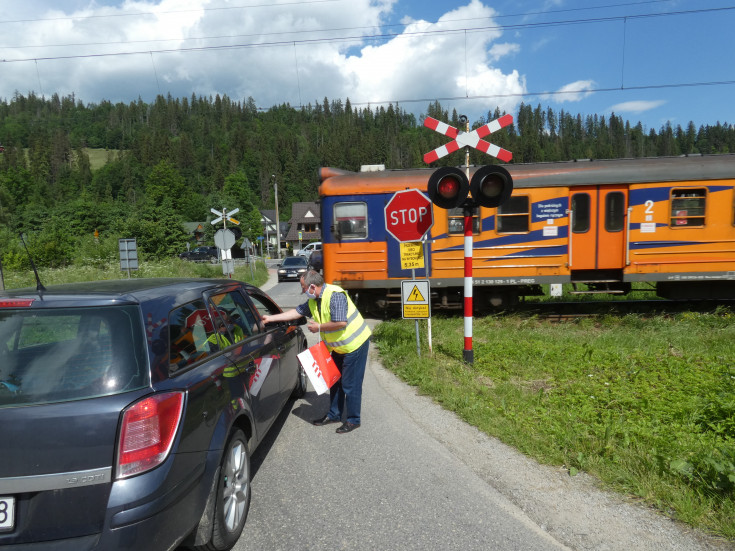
(129, 411)
(310, 248)
(292, 267)
(201, 254)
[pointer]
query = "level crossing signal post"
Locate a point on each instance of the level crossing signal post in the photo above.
(451, 187)
(225, 239)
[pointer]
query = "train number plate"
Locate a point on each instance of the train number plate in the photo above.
(7, 513)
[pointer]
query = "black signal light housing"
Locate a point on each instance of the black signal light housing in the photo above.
(448, 187)
(491, 186)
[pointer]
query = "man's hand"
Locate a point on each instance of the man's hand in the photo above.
(312, 326)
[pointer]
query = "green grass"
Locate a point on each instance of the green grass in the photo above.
(646, 404)
(95, 271)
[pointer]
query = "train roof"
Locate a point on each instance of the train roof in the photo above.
(565, 173)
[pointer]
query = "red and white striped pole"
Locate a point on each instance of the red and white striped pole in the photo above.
(468, 354)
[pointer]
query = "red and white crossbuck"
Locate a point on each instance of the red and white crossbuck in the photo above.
(471, 139)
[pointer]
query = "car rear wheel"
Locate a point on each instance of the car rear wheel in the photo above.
(233, 495)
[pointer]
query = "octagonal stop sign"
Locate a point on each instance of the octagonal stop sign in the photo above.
(408, 215)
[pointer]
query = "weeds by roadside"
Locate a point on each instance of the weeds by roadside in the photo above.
(95, 271)
(646, 404)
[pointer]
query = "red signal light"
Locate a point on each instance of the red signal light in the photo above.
(448, 187)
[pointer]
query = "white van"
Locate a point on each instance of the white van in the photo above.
(310, 248)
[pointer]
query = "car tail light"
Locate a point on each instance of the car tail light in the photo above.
(147, 433)
(16, 302)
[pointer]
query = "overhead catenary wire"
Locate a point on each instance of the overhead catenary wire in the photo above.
(393, 35)
(378, 36)
(358, 37)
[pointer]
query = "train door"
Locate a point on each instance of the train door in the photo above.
(597, 237)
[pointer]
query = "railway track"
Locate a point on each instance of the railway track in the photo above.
(571, 310)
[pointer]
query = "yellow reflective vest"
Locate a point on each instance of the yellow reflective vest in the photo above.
(344, 340)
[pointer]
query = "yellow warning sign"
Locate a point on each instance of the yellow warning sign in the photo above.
(412, 255)
(415, 296)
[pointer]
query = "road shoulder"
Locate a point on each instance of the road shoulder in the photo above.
(573, 509)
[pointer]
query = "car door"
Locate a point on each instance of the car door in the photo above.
(252, 351)
(286, 338)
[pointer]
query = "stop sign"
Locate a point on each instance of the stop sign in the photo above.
(408, 215)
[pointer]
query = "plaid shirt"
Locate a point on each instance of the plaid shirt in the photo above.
(337, 307)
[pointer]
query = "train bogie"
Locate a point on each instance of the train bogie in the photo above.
(601, 225)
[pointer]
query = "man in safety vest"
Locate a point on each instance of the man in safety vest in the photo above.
(225, 327)
(347, 336)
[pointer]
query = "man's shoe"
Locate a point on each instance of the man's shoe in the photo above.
(324, 421)
(347, 427)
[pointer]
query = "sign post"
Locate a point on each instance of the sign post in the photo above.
(488, 189)
(128, 254)
(408, 218)
(225, 239)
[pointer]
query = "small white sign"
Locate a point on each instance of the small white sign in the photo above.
(648, 227)
(551, 231)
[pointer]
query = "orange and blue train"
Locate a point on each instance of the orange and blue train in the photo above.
(602, 225)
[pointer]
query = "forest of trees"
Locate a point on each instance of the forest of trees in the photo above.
(172, 160)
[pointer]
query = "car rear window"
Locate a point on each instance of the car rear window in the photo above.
(60, 354)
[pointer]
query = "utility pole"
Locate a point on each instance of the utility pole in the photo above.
(278, 221)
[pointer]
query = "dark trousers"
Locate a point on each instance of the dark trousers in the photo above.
(346, 394)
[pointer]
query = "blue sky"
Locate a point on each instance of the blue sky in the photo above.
(651, 61)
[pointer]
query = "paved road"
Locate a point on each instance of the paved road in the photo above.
(416, 477)
(386, 485)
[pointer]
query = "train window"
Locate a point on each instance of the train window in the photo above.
(513, 215)
(350, 221)
(687, 207)
(614, 211)
(580, 212)
(455, 221)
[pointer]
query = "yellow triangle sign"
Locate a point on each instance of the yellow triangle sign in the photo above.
(415, 295)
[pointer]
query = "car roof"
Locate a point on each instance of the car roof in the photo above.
(119, 291)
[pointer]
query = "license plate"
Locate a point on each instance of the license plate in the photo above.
(292, 273)
(7, 513)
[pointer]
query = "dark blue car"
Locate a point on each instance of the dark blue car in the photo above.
(129, 411)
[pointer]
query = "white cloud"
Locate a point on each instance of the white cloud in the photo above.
(416, 65)
(575, 91)
(498, 51)
(636, 106)
(277, 55)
